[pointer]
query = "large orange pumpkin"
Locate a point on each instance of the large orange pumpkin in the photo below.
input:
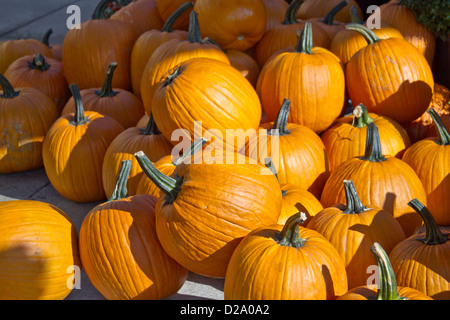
(120, 250)
(26, 115)
(207, 208)
(39, 258)
(287, 262)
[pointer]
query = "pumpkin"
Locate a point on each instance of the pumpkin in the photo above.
(120, 250)
(285, 35)
(43, 73)
(319, 8)
(26, 114)
(328, 23)
(11, 50)
(387, 288)
(166, 9)
(209, 207)
(233, 24)
(167, 165)
(38, 251)
(275, 12)
(403, 19)
(430, 159)
(169, 54)
(297, 152)
(287, 262)
(311, 77)
(124, 146)
(88, 51)
(74, 149)
(381, 180)
(141, 15)
(208, 91)
(120, 104)
(352, 228)
(422, 261)
(404, 83)
(346, 138)
(245, 63)
(149, 41)
(56, 49)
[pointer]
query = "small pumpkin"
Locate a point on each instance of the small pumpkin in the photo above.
(352, 227)
(74, 149)
(56, 49)
(430, 159)
(308, 267)
(387, 288)
(422, 261)
(120, 104)
(39, 251)
(43, 73)
(26, 115)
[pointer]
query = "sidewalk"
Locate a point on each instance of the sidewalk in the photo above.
(31, 19)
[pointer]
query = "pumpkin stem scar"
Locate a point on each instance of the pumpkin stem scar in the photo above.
(171, 77)
(168, 25)
(289, 235)
(38, 63)
(433, 235)
(120, 189)
(8, 90)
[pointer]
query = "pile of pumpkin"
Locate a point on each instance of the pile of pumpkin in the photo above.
(360, 176)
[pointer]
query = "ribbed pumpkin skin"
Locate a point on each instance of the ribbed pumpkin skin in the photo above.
(387, 184)
(38, 244)
(353, 234)
(245, 63)
(344, 141)
(233, 24)
(319, 8)
(115, 38)
(51, 82)
(217, 206)
(261, 269)
(206, 90)
(297, 199)
(122, 255)
(24, 122)
(364, 293)
(73, 155)
(404, 82)
(316, 88)
(11, 50)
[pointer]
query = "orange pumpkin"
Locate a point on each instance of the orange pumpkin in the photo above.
(381, 180)
(39, 258)
(275, 12)
(387, 288)
(245, 63)
(119, 104)
(405, 81)
(346, 138)
(209, 207)
(319, 8)
(352, 228)
(311, 77)
(26, 114)
(308, 267)
(42, 73)
(421, 261)
(430, 159)
(74, 149)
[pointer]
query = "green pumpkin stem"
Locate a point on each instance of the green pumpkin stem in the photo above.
(329, 18)
(433, 235)
(361, 116)
(442, 132)
(168, 25)
(107, 89)
(280, 124)
(354, 204)
(193, 149)
(373, 151)
(305, 41)
(291, 12)
(355, 16)
(387, 287)
(38, 63)
(78, 118)
(120, 189)
(269, 164)
(46, 37)
(289, 235)
(194, 34)
(151, 128)
(8, 90)
(368, 34)
(168, 185)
